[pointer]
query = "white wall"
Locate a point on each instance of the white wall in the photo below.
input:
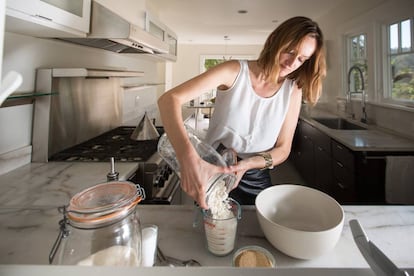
(188, 61)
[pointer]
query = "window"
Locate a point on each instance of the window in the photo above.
(357, 46)
(400, 61)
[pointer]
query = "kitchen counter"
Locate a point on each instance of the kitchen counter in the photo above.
(29, 198)
(54, 183)
(372, 139)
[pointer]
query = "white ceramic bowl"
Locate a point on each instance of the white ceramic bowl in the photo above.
(299, 221)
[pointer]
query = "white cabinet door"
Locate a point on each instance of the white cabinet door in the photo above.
(74, 14)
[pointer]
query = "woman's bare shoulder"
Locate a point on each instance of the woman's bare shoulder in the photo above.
(228, 72)
(230, 66)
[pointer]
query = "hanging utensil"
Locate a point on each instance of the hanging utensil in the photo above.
(145, 130)
(376, 259)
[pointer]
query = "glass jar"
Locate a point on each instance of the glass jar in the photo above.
(101, 227)
(207, 153)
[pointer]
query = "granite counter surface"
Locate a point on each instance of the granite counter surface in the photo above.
(372, 139)
(29, 218)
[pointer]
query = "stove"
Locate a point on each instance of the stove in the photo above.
(160, 183)
(114, 143)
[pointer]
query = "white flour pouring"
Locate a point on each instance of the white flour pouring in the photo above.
(218, 202)
(220, 221)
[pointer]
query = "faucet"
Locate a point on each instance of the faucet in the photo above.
(348, 97)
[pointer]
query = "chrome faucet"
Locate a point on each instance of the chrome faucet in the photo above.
(348, 98)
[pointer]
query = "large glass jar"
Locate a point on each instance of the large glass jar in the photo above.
(207, 153)
(101, 227)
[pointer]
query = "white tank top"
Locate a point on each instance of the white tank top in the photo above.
(244, 121)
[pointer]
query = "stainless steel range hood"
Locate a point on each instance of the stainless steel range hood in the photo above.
(111, 32)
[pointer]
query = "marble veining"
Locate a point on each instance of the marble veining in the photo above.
(53, 183)
(30, 197)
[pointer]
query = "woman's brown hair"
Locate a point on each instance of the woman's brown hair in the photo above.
(289, 36)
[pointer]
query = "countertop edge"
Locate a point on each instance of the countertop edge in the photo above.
(45, 270)
(340, 135)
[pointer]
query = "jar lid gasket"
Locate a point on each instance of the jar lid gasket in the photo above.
(103, 202)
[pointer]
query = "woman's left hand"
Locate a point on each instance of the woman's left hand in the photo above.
(239, 170)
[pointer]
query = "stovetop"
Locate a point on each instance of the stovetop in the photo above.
(114, 143)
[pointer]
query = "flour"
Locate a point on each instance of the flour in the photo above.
(220, 222)
(218, 202)
(117, 255)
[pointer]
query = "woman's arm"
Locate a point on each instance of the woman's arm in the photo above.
(194, 171)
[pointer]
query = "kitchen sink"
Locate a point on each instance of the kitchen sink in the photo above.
(338, 123)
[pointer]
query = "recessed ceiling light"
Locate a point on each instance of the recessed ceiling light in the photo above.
(242, 11)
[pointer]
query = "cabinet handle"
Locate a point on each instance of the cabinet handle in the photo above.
(339, 147)
(43, 17)
(320, 149)
(342, 186)
(339, 164)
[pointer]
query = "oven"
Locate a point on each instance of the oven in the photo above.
(161, 184)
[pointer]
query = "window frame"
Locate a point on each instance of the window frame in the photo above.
(386, 96)
(348, 64)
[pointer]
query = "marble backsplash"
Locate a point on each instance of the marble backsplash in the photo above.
(398, 120)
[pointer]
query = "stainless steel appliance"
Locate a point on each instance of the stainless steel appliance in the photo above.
(160, 183)
(109, 31)
(81, 121)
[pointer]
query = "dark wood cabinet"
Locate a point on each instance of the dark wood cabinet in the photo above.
(343, 185)
(351, 177)
(303, 155)
(323, 170)
(311, 156)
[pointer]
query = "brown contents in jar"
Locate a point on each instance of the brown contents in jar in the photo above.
(252, 258)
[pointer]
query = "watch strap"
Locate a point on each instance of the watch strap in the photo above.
(268, 160)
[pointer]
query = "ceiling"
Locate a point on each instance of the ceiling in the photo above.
(209, 21)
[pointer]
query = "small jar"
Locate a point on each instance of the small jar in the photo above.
(101, 227)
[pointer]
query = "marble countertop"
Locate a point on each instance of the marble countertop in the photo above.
(372, 139)
(54, 183)
(29, 218)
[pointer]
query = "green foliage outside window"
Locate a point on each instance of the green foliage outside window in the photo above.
(210, 63)
(403, 77)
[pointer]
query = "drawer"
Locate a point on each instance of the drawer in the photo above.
(343, 155)
(343, 188)
(343, 175)
(322, 141)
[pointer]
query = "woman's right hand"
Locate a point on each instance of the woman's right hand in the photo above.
(194, 176)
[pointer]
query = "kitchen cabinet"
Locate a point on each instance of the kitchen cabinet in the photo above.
(303, 152)
(311, 155)
(343, 186)
(156, 28)
(351, 177)
(48, 18)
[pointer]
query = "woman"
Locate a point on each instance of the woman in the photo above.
(256, 109)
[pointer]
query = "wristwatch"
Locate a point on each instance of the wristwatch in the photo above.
(268, 159)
